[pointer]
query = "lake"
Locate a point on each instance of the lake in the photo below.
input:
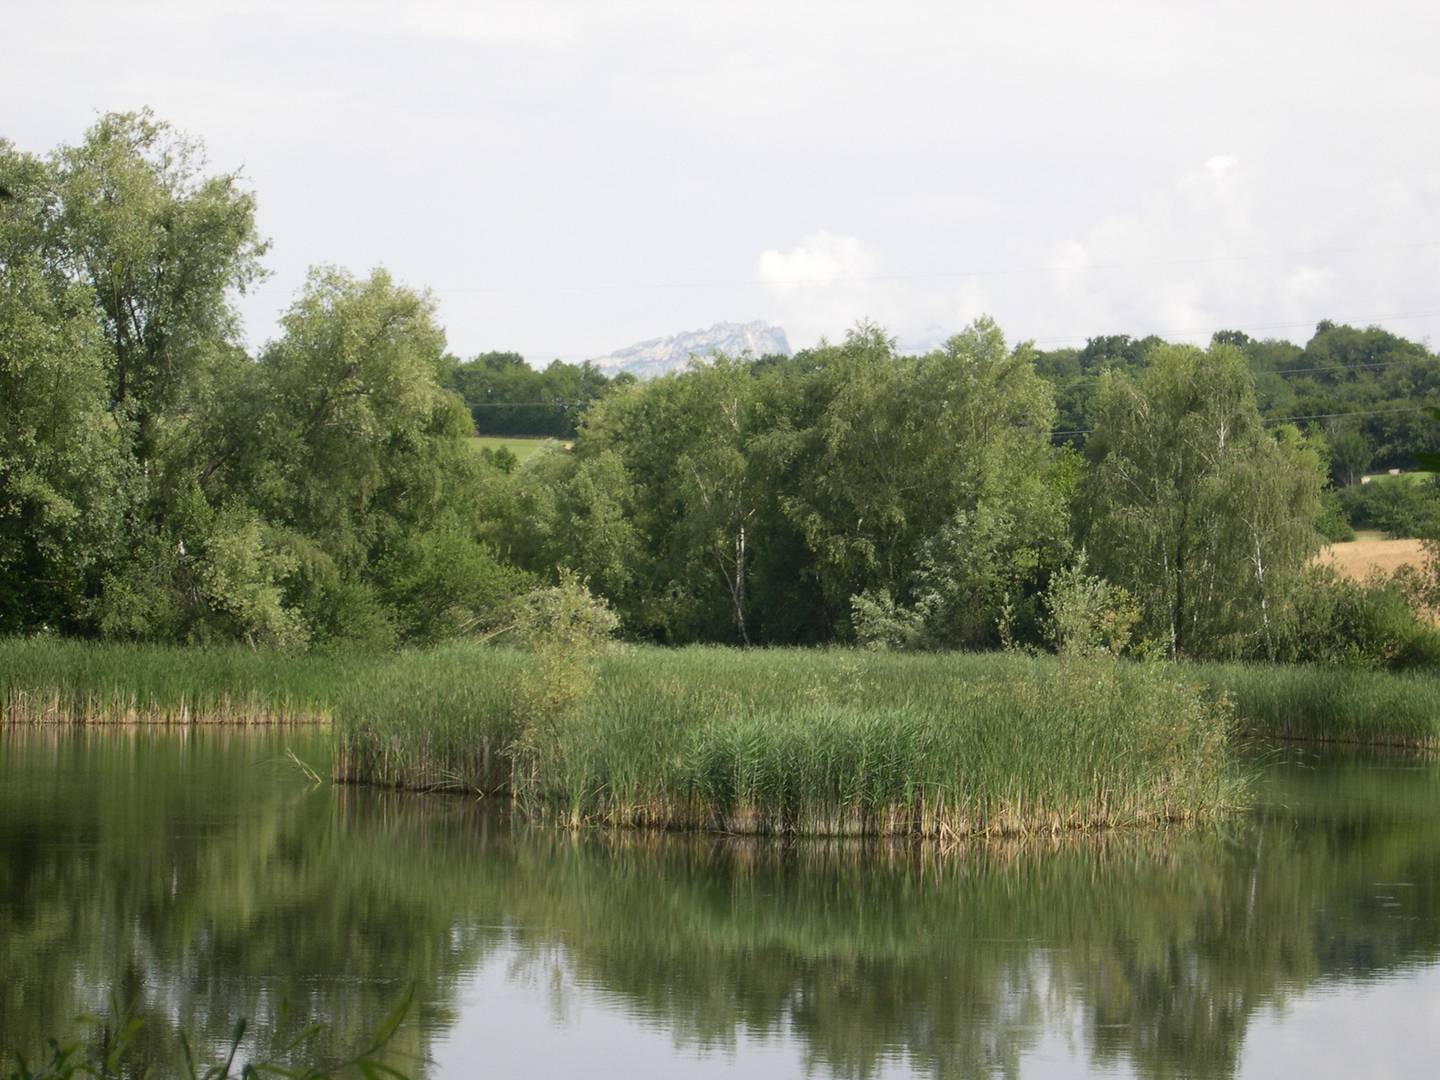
(198, 877)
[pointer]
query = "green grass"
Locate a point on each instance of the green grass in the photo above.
(813, 742)
(758, 741)
(1408, 476)
(1330, 704)
(53, 680)
(522, 448)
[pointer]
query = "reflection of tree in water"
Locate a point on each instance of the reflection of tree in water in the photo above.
(201, 890)
(1165, 946)
(209, 901)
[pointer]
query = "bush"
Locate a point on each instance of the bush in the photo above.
(1333, 524)
(1088, 615)
(1396, 505)
(1334, 620)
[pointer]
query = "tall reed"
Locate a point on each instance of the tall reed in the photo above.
(51, 680)
(815, 742)
(1329, 703)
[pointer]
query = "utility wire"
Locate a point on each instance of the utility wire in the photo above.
(1283, 419)
(1010, 271)
(1283, 374)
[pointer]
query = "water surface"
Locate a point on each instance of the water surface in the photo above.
(200, 878)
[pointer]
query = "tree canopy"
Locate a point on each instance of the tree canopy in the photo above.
(159, 481)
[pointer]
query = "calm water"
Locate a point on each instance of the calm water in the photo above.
(200, 878)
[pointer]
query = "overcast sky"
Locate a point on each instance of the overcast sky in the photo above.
(571, 177)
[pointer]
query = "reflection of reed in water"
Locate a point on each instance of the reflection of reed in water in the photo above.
(214, 891)
(1161, 948)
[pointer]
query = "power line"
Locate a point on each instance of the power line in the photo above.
(1054, 339)
(1283, 419)
(1011, 271)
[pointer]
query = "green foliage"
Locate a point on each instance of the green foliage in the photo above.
(1350, 456)
(1396, 505)
(565, 628)
(240, 581)
(443, 583)
(566, 618)
(813, 742)
(1333, 523)
(1176, 453)
(1088, 615)
(879, 623)
(790, 487)
(506, 396)
(158, 484)
(63, 471)
(1335, 620)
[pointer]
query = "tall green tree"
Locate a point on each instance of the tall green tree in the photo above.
(685, 442)
(1193, 505)
(345, 441)
(63, 473)
(162, 247)
(928, 481)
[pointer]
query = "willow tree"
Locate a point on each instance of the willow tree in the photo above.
(346, 443)
(1203, 513)
(162, 246)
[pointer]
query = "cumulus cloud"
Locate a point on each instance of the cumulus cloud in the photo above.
(1189, 258)
(826, 283)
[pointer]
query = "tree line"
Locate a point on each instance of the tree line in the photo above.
(158, 482)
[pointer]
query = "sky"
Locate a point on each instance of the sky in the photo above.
(571, 177)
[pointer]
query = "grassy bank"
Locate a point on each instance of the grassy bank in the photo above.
(802, 742)
(51, 680)
(1330, 704)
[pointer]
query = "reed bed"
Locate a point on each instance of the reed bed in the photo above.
(1330, 704)
(56, 681)
(438, 720)
(805, 742)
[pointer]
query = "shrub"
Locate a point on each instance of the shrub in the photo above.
(1370, 624)
(1087, 614)
(1396, 505)
(1333, 524)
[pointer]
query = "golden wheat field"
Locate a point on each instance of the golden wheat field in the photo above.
(1359, 558)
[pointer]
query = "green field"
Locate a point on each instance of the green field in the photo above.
(522, 448)
(1409, 476)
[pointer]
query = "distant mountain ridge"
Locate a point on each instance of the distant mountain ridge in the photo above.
(647, 359)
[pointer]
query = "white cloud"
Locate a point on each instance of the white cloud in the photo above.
(1188, 259)
(821, 259)
(476, 145)
(826, 283)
